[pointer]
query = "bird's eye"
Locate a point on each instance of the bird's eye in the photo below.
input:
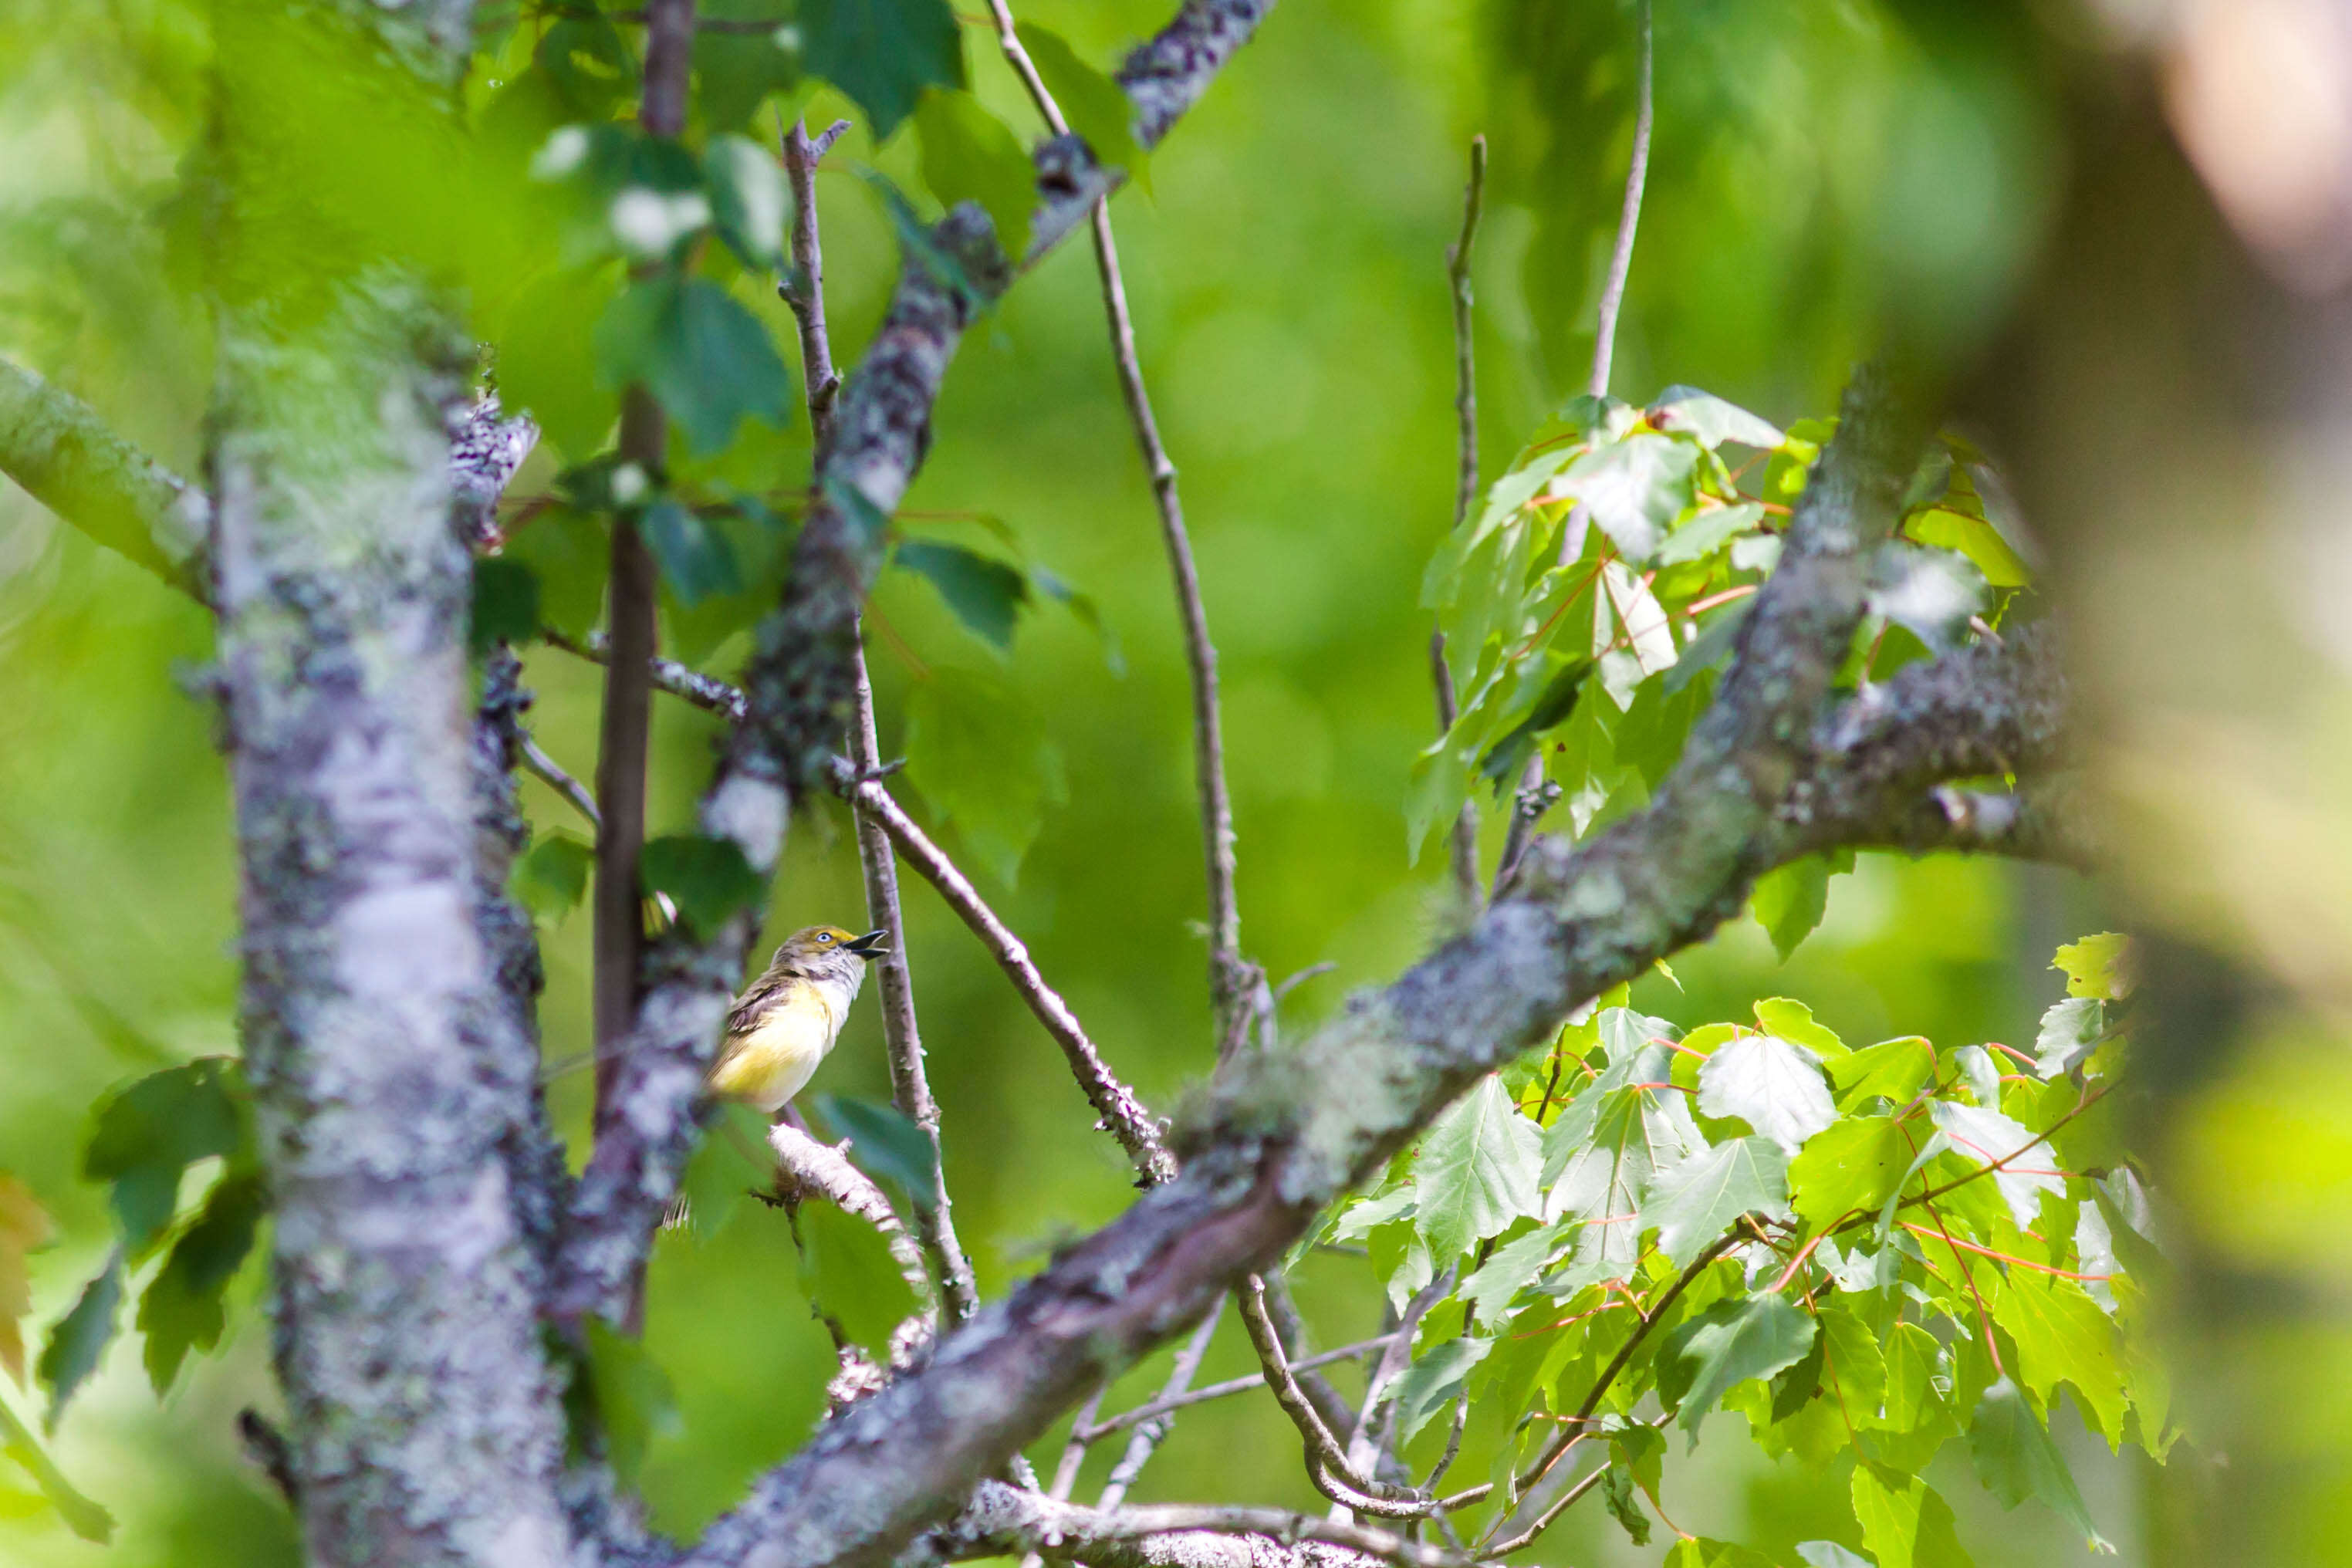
(824, 936)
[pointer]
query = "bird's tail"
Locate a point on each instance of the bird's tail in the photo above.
(680, 1215)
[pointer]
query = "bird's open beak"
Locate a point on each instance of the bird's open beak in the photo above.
(873, 944)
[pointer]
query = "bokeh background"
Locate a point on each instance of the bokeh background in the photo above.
(2123, 229)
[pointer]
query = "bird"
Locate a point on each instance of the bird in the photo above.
(787, 1020)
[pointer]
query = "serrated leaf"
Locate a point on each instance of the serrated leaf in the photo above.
(1477, 1172)
(708, 879)
(1709, 531)
(986, 595)
(2098, 966)
(1772, 1085)
(149, 1132)
(1905, 1523)
(1853, 1165)
(969, 154)
(23, 1227)
(886, 1145)
(708, 361)
(883, 53)
(2070, 1030)
(505, 604)
(1691, 1202)
(2061, 1336)
(694, 558)
(83, 1517)
(1912, 1398)
(845, 1267)
(181, 1310)
(2015, 1460)
(1513, 1268)
(1098, 109)
(79, 1339)
(1729, 1342)
(980, 756)
(633, 1403)
(552, 877)
(1986, 1136)
(1855, 1365)
(1711, 420)
(1602, 1150)
(1793, 1021)
(1891, 1069)
(1430, 1382)
(1635, 489)
(747, 198)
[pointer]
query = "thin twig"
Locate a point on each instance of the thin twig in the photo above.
(1465, 358)
(1122, 1113)
(545, 769)
(1229, 978)
(1326, 1462)
(626, 731)
(1229, 1387)
(1150, 1434)
(910, 1089)
(706, 692)
(1629, 217)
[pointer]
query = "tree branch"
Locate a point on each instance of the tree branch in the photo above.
(55, 446)
(1000, 1520)
(1232, 1386)
(1150, 1432)
(1463, 844)
(799, 686)
(682, 681)
(1123, 1115)
(1621, 257)
(1326, 1462)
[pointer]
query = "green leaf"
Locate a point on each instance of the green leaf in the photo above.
(1891, 1069)
(1709, 531)
(1986, 1136)
(547, 366)
(694, 558)
(747, 198)
(1513, 1268)
(1699, 1551)
(505, 604)
(1793, 1021)
(1711, 420)
(986, 595)
(1477, 1171)
(1974, 538)
(980, 756)
(1792, 1388)
(1912, 1398)
(971, 155)
(1789, 901)
(883, 53)
(569, 554)
(729, 1163)
(1097, 107)
(2097, 966)
(590, 65)
(83, 1517)
(706, 359)
(885, 1144)
(708, 879)
(1430, 1384)
(2061, 1336)
(23, 1226)
(182, 1308)
(1854, 1366)
(1617, 1494)
(1600, 1153)
(80, 1337)
(1850, 1165)
(633, 1400)
(1905, 1522)
(1729, 1342)
(737, 71)
(1830, 1554)
(149, 1132)
(2070, 1030)
(2015, 1460)
(1503, 761)
(1691, 1202)
(845, 1267)
(1635, 489)
(1772, 1085)
(551, 877)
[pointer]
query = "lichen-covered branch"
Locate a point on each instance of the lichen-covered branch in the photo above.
(799, 689)
(67, 458)
(1002, 1520)
(682, 681)
(1123, 1115)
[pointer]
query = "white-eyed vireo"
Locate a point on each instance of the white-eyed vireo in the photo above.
(786, 1021)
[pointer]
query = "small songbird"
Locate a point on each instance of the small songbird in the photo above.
(787, 1021)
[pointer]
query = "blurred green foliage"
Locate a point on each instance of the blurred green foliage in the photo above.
(1824, 174)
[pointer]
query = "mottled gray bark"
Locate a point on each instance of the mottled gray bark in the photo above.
(1002, 1520)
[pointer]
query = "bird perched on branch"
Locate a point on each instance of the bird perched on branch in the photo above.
(786, 1022)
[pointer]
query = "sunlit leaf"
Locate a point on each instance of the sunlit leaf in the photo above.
(1974, 538)
(1772, 1085)
(2097, 966)
(1635, 489)
(1891, 1069)
(1693, 1202)
(1709, 531)
(1711, 420)
(2070, 1030)
(83, 1517)
(2025, 1171)
(1431, 1382)
(1729, 1342)
(2016, 1459)
(1477, 1171)
(1850, 1166)
(2061, 1336)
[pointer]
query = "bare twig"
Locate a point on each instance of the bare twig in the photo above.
(1123, 1115)
(1001, 1519)
(1463, 845)
(545, 769)
(910, 1088)
(706, 692)
(1326, 1462)
(624, 732)
(1629, 217)
(1231, 980)
(1152, 1433)
(1229, 1386)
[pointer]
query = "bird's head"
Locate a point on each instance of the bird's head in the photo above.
(829, 947)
